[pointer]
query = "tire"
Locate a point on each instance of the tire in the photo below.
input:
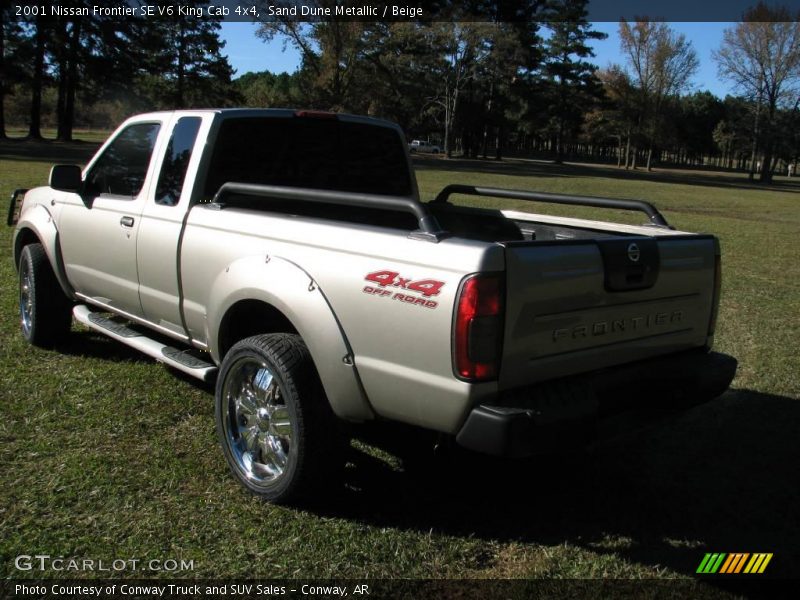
(45, 311)
(277, 431)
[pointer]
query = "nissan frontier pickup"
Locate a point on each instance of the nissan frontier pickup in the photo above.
(287, 256)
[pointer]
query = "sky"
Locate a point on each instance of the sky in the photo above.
(247, 52)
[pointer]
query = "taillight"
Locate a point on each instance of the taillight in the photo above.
(712, 325)
(316, 114)
(478, 328)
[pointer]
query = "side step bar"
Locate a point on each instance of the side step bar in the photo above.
(183, 360)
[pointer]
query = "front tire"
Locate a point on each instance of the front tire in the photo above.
(45, 311)
(274, 423)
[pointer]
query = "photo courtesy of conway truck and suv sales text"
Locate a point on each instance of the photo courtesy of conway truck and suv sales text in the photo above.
(287, 255)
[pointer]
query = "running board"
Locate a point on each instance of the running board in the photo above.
(183, 360)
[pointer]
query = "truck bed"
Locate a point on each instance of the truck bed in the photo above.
(573, 299)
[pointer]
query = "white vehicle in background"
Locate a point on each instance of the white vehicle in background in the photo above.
(423, 147)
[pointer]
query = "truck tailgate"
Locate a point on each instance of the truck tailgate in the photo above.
(581, 305)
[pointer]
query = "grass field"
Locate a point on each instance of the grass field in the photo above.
(107, 454)
(79, 135)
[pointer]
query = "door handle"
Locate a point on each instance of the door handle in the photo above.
(126, 221)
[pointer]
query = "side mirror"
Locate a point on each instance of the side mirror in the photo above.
(66, 178)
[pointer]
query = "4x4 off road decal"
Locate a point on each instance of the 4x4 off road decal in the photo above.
(386, 280)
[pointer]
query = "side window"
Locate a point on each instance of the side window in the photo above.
(176, 161)
(122, 167)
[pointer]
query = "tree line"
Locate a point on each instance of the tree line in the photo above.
(484, 88)
(49, 65)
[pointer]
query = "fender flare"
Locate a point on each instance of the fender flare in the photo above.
(40, 223)
(289, 289)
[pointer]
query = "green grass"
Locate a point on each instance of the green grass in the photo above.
(108, 455)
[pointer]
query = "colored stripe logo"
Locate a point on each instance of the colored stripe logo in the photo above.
(734, 563)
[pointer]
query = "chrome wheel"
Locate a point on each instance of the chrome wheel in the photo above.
(275, 425)
(45, 312)
(25, 298)
(258, 424)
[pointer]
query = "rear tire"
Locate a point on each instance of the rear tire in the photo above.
(45, 311)
(276, 428)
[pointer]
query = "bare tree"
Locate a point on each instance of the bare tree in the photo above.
(761, 57)
(462, 49)
(662, 63)
(618, 115)
(332, 52)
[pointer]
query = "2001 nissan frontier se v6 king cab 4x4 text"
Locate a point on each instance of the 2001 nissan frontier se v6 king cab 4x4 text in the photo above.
(287, 254)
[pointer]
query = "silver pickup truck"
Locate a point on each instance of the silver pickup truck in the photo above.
(287, 255)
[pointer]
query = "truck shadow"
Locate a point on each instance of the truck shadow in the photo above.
(88, 344)
(722, 477)
(658, 488)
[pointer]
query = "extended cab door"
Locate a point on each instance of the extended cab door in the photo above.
(158, 248)
(98, 228)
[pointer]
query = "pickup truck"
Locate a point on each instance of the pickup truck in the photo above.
(423, 147)
(287, 256)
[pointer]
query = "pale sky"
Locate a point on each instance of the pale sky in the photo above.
(247, 52)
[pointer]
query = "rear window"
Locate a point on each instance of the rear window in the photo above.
(310, 152)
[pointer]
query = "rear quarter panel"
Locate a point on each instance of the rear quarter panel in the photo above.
(401, 349)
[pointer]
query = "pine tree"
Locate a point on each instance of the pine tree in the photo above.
(14, 47)
(185, 56)
(572, 85)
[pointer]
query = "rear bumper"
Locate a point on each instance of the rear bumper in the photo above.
(558, 413)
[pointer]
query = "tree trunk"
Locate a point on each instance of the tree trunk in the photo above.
(450, 117)
(628, 150)
(179, 93)
(34, 130)
(2, 77)
(487, 120)
(72, 82)
(61, 53)
(560, 142)
(448, 151)
(766, 165)
(649, 156)
(755, 141)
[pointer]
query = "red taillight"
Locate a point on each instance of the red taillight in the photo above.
(316, 114)
(478, 328)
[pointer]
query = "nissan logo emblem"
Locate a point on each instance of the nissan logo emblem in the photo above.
(633, 252)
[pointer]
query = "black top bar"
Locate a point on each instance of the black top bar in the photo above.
(656, 218)
(427, 222)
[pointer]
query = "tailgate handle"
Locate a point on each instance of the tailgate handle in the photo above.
(630, 263)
